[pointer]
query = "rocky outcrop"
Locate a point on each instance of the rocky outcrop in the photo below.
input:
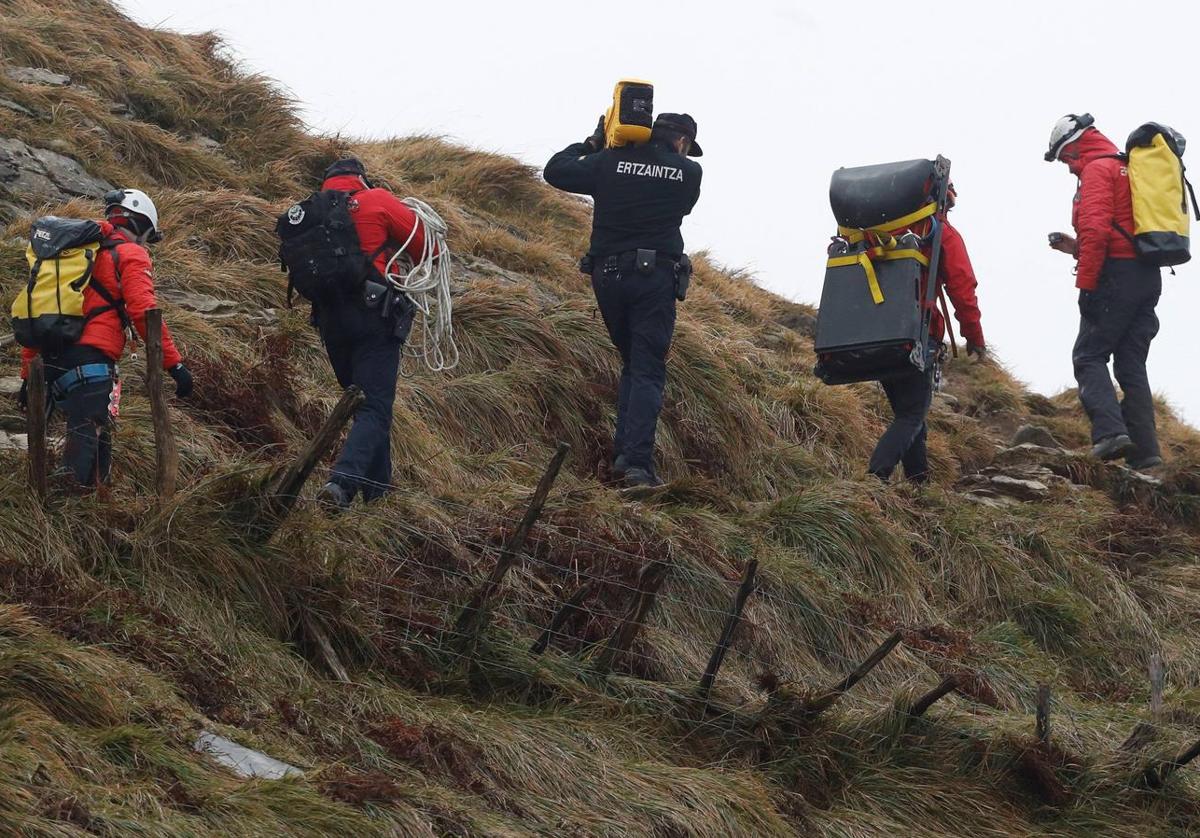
(31, 175)
(37, 75)
(1035, 435)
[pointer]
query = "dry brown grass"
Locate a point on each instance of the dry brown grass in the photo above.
(128, 626)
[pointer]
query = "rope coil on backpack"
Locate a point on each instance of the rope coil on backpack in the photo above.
(427, 285)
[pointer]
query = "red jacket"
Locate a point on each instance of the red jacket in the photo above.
(1102, 198)
(380, 218)
(136, 288)
(957, 278)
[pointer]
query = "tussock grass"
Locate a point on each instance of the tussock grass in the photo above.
(126, 626)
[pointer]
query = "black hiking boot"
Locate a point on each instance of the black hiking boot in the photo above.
(333, 497)
(619, 466)
(1113, 447)
(1144, 463)
(639, 477)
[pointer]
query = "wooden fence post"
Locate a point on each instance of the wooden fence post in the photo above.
(949, 684)
(1156, 775)
(650, 579)
(166, 454)
(35, 426)
(1157, 676)
(282, 496)
(474, 616)
(1043, 713)
(731, 624)
(824, 701)
(568, 609)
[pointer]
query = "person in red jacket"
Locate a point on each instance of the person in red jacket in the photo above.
(83, 378)
(1117, 296)
(910, 395)
(362, 342)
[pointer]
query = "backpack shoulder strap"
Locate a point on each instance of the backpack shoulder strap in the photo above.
(116, 303)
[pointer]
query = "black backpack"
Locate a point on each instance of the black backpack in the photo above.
(319, 248)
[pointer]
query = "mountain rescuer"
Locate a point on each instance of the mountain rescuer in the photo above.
(82, 377)
(911, 394)
(637, 264)
(1117, 296)
(364, 329)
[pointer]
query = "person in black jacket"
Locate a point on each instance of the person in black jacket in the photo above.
(637, 264)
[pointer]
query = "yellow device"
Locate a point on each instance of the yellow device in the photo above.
(631, 116)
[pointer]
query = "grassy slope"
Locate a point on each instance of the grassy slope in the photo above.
(125, 627)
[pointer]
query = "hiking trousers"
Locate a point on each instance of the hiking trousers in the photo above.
(1118, 321)
(639, 313)
(364, 350)
(904, 441)
(90, 403)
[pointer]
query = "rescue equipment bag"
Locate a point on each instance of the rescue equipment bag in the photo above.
(873, 322)
(631, 116)
(47, 313)
(1160, 189)
(319, 248)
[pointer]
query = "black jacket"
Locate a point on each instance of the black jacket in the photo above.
(641, 192)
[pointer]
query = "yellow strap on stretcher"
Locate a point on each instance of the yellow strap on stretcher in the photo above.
(866, 259)
(856, 234)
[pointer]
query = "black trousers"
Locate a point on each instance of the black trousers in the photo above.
(364, 349)
(1118, 322)
(639, 312)
(904, 441)
(90, 410)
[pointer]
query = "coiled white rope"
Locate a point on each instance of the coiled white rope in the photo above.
(427, 285)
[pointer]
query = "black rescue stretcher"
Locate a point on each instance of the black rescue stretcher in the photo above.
(872, 323)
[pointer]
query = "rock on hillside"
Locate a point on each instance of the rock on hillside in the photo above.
(154, 651)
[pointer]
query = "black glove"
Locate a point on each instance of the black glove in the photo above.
(183, 380)
(596, 141)
(23, 397)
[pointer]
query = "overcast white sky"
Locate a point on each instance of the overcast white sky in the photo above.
(784, 93)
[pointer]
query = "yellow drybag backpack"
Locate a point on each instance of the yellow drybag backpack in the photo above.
(48, 311)
(629, 120)
(1157, 179)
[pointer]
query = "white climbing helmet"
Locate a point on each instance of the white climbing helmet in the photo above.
(1066, 131)
(136, 201)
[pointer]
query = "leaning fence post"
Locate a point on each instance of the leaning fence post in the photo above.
(949, 684)
(282, 496)
(474, 615)
(1156, 775)
(1043, 713)
(568, 609)
(823, 702)
(166, 454)
(35, 426)
(731, 624)
(650, 579)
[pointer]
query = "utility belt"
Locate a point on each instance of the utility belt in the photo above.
(79, 376)
(390, 303)
(642, 261)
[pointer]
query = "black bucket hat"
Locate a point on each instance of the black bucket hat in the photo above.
(684, 124)
(347, 166)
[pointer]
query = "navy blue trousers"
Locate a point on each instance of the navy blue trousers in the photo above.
(364, 351)
(90, 411)
(1118, 321)
(639, 312)
(904, 442)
